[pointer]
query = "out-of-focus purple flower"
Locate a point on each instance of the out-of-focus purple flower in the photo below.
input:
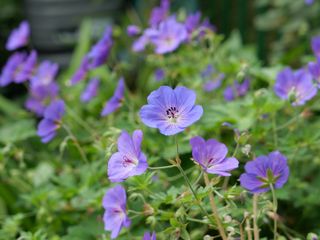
(213, 84)
(81, 72)
(193, 25)
(208, 71)
(45, 74)
(159, 74)
(19, 37)
(211, 156)
(149, 236)
(141, 43)
(171, 110)
(18, 68)
(133, 30)
(52, 121)
(297, 87)
(25, 70)
(40, 96)
(314, 69)
(115, 216)
(129, 160)
(116, 100)
(315, 45)
(308, 2)
(158, 14)
(91, 90)
(101, 50)
(264, 171)
(236, 90)
(192, 21)
(169, 36)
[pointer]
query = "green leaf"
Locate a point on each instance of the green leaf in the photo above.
(17, 131)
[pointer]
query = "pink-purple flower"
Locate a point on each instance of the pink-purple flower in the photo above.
(51, 122)
(149, 236)
(115, 216)
(91, 90)
(265, 171)
(171, 110)
(129, 160)
(211, 155)
(297, 87)
(115, 101)
(19, 37)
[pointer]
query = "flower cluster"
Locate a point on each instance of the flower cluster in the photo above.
(165, 33)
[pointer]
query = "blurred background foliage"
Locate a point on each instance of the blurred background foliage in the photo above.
(46, 196)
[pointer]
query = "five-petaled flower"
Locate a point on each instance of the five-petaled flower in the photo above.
(129, 160)
(115, 216)
(171, 110)
(297, 87)
(19, 37)
(115, 101)
(265, 171)
(149, 236)
(211, 156)
(48, 126)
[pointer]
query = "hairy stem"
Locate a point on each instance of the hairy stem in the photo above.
(275, 208)
(214, 209)
(162, 167)
(255, 216)
(248, 229)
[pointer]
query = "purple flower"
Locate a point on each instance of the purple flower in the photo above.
(211, 156)
(52, 121)
(169, 36)
(100, 52)
(213, 84)
(263, 171)
(45, 74)
(314, 69)
(90, 91)
(82, 71)
(129, 160)
(133, 30)
(18, 68)
(115, 216)
(315, 45)
(160, 13)
(236, 90)
(141, 43)
(116, 100)
(309, 2)
(40, 96)
(148, 236)
(159, 74)
(192, 22)
(208, 71)
(19, 37)
(171, 111)
(297, 86)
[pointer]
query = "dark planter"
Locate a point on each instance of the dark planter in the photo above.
(55, 23)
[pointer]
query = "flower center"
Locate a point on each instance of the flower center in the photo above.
(172, 113)
(127, 161)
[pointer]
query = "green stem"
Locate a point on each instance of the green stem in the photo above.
(162, 167)
(275, 208)
(76, 143)
(274, 130)
(198, 179)
(255, 216)
(226, 180)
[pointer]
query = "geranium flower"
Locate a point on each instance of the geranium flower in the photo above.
(297, 87)
(211, 156)
(81, 72)
(263, 171)
(314, 69)
(51, 122)
(129, 160)
(19, 37)
(214, 83)
(158, 14)
(171, 111)
(115, 216)
(45, 74)
(159, 74)
(133, 30)
(236, 90)
(315, 45)
(91, 90)
(115, 101)
(148, 236)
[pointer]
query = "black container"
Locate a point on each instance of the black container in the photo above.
(55, 23)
